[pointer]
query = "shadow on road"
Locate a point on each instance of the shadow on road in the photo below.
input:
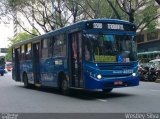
(83, 94)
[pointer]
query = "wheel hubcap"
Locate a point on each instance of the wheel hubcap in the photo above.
(64, 85)
(25, 80)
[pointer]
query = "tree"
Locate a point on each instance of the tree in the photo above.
(143, 13)
(20, 37)
(74, 8)
(46, 15)
(43, 15)
(96, 9)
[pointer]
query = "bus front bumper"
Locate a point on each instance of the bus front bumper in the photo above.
(108, 83)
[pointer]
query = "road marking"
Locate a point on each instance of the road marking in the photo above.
(102, 100)
(156, 90)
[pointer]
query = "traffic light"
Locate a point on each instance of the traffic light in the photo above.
(158, 1)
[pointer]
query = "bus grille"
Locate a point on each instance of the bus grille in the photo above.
(116, 76)
(115, 66)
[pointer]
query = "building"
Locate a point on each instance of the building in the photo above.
(148, 45)
(20, 19)
(3, 51)
(25, 21)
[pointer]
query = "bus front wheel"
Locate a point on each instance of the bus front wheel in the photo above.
(2, 74)
(107, 90)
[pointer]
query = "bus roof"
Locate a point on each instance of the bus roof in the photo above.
(80, 24)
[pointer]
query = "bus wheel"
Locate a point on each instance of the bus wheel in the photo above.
(107, 90)
(64, 87)
(2, 74)
(25, 81)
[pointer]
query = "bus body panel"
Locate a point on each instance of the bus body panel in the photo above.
(26, 67)
(50, 69)
(47, 71)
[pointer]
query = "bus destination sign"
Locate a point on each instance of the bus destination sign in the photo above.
(111, 26)
(116, 26)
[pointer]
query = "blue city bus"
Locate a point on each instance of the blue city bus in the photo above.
(91, 54)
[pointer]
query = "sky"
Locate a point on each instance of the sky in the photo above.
(6, 32)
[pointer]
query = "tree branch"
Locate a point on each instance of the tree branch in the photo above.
(154, 18)
(115, 11)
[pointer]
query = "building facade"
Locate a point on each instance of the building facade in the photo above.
(3, 51)
(148, 45)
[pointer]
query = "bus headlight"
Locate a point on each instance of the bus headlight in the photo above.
(133, 74)
(99, 76)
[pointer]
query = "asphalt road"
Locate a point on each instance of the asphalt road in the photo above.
(16, 99)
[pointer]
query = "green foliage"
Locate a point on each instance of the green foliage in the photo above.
(146, 16)
(16, 3)
(9, 55)
(20, 37)
(120, 12)
(60, 13)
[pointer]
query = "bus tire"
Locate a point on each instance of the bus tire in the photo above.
(25, 81)
(64, 88)
(107, 90)
(2, 74)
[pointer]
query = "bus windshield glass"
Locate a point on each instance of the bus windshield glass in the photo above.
(110, 48)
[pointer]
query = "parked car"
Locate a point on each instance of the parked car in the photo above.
(2, 71)
(8, 66)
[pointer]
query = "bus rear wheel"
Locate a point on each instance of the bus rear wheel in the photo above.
(64, 87)
(107, 90)
(25, 81)
(2, 74)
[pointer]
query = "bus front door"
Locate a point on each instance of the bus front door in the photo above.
(36, 63)
(76, 79)
(17, 64)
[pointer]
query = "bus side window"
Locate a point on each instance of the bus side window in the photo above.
(47, 48)
(13, 54)
(44, 48)
(28, 52)
(22, 52)
(59, 48)
(50, 44)
(87, 51)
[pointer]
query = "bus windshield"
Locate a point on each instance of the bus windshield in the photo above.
(110, 48)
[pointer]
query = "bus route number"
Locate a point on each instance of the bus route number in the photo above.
(97, 25)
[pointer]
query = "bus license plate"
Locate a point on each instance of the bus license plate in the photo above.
(118, 83)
